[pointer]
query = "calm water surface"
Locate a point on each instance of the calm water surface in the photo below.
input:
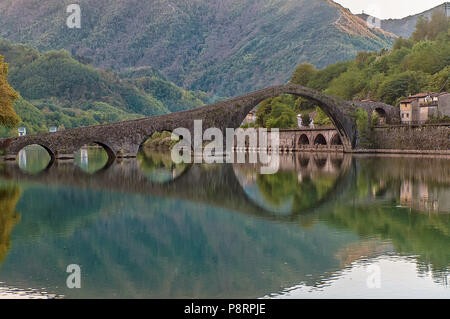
(324, 226)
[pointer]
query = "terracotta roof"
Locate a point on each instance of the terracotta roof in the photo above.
(432, 94)
(408, 100)
(419, 95)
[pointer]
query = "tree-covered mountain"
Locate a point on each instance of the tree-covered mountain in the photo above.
(227, 47)
(405, 27)
(58, 90)
(418, 64)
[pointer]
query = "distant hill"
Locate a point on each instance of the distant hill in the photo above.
(57, 89)
(405, 27)
(225, 47)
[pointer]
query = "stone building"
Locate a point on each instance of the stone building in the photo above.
(22, 131)
(422, 107)
(251, 117)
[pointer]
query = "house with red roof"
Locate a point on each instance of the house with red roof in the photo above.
(422, 107)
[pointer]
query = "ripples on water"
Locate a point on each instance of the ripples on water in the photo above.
(147, 228)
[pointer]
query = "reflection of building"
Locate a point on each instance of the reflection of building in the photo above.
(422, 107)
(23, 158)
(84, 157)
(421, 197)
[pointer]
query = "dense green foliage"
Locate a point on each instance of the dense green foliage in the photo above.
(421, 63)
(8, 116)
(277, 112)
(58, 90)
(418, 64)
(227, 47)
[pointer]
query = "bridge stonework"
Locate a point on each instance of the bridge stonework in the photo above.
(303, 139)
(123, 139)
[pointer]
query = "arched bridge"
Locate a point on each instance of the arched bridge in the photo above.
(123, 139)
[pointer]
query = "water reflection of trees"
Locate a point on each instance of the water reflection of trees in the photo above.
(91, 158)
(368, 208)
(33, 159)
(286, 186)
(411, 234)
(302, 182)
(377, 211)
(159, 166)
(9, 217)
(374, 205)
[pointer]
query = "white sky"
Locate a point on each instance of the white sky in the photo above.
(385, 9)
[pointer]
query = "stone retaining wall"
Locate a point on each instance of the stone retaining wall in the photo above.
(425, 137)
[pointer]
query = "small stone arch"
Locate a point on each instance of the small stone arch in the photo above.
(382, 119)
(336, 140)
(389, 114)
(303, 140)
(320, 140)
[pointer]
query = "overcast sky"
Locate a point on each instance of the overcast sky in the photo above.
(385, 9)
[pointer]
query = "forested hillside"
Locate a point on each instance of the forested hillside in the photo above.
(418, 64)
(58, 90)
(224, 47)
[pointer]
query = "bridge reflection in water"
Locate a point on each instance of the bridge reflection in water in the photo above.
(220, 230)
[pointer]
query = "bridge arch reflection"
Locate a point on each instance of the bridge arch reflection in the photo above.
(35, 159)
(193, 182)
(304, 182)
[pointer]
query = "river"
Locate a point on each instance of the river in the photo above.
(324, 226)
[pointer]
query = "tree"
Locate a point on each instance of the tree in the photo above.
(400, 85)
(430, 29)
(282, 116)
(421, 29)
(8, 116)
(321, 118)
(347, 85)
(439, 23)
(303, 74)
(306, 119)
(403, 43)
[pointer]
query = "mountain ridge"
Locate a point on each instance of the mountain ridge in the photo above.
(404, 27)
(224, 47)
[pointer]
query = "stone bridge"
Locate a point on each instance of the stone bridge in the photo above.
(124, 139)
(324, 139)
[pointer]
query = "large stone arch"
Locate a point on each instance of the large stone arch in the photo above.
(341, 112)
